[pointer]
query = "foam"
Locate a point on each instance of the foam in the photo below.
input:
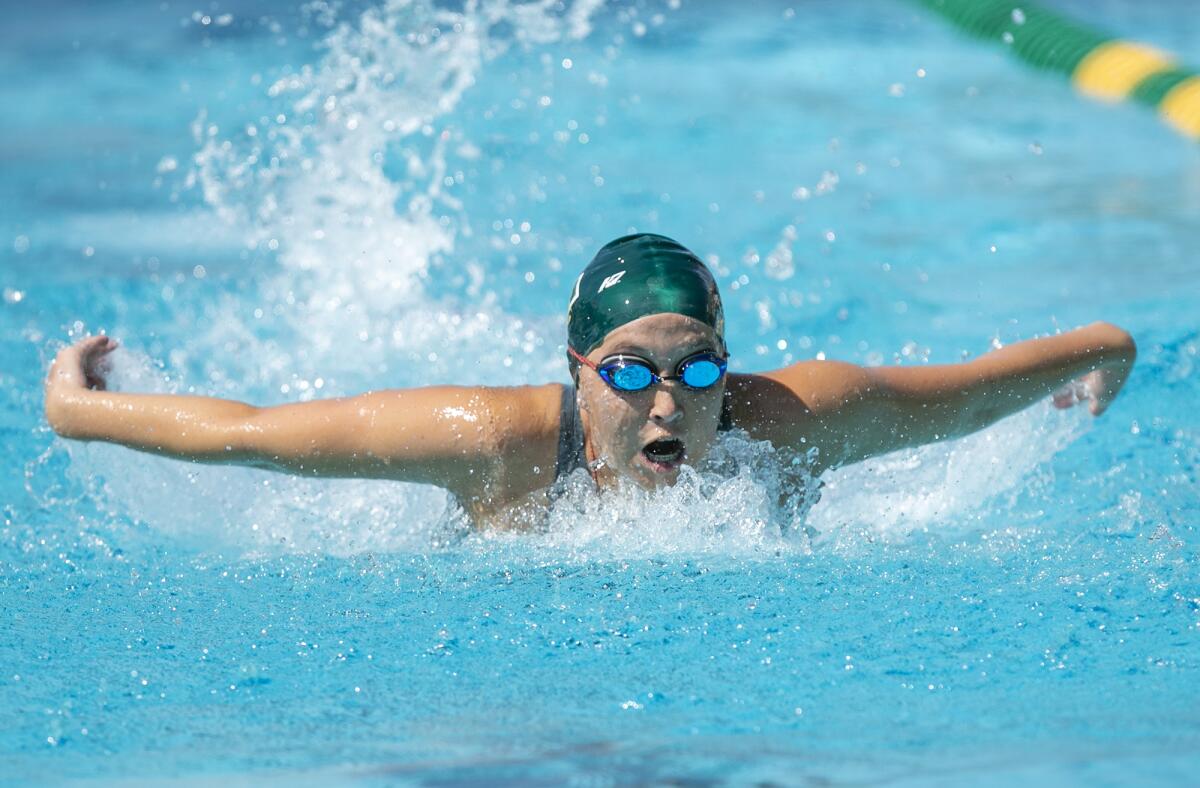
(354, 242)
(948, 487)
(345, 302)
(746, 499)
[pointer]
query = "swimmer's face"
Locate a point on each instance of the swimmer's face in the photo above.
(645, 436)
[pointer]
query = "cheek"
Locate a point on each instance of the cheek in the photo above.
(707, 418)
(615, 421)
(624, 424)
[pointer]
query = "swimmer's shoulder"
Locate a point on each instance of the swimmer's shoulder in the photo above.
(795, 406)
(806, 387)
(524, 422)
(520, 414)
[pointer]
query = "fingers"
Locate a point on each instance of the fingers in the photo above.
(99, 344)
(81, 364)
(1105, 386)
(94, 352)
(1069, 395)
(1093, 388)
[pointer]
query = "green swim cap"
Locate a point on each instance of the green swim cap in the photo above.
(635, 276)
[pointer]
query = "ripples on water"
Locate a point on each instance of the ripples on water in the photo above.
(402, 196)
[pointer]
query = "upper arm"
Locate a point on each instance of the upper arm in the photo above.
(847, 412)
(449, 436)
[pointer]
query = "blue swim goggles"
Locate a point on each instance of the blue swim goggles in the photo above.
(630, 373)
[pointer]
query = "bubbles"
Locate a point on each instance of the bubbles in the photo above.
(942, 486)
(780, 263)
(746, 499)
(383, 93)
(348, 191)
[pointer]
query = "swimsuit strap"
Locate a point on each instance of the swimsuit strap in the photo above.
(726, 423)
(570, 435)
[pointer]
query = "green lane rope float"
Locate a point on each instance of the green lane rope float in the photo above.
(1099, 65)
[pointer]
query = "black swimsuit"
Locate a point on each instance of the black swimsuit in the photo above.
(570, 436)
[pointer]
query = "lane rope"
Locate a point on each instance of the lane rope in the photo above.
(1101, 66)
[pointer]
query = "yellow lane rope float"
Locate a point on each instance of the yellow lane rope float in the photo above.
(1099, 65)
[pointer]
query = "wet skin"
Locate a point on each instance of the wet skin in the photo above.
(496, 448)
(619, 425)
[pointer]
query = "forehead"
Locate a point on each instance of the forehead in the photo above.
(662, 335)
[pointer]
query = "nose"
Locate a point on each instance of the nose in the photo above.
(665, 410)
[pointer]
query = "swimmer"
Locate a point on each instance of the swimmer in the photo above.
(647, 353)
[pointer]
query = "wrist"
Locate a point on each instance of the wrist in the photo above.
(62, 409)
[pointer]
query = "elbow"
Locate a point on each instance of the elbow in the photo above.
(1117, 341)
(240, 438)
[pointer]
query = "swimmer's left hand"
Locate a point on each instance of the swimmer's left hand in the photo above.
(1098, 389)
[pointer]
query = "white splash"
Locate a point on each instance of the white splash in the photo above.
(944, 486)
(745, 499)
(354, 241)
(353, 245)
(250, 511)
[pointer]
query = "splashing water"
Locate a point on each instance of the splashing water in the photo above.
(944, 486)
(353, 240)
(347, 189)
(746, 499)
(352, 243)
(987, 598)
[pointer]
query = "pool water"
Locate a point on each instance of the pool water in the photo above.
(277, 204)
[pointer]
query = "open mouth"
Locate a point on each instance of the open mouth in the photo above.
(664, 454)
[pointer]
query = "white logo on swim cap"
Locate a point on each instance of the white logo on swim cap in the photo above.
(574, 295)
(609, 281)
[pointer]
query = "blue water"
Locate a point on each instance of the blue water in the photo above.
(275, 205)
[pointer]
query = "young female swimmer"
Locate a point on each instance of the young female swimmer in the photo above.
(647, 353)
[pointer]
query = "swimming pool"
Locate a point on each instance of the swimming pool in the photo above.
(274, 205)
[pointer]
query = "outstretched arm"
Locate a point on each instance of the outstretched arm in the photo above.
(448, 436)
(851, 413)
